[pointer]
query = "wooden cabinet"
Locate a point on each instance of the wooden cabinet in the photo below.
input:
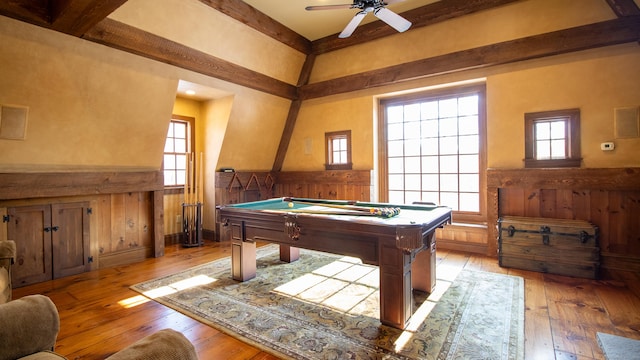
(52, 241)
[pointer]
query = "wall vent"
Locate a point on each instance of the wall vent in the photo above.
(13, 122)
(627, 122)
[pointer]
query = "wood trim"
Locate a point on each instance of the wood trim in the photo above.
(419, 17)
(33, 12)
(77, 17)
(347, 177)
(70, 17)
(601, 178)
(617, 263)
(571, 118)
(292, 116)
(606, 33)
(476, 89)
(444, 244)
(248, 15)
(192, 127)
(41, 185)
(624, 7)
(617, 179)
(158, 223)
(328, 151)
(127, 38)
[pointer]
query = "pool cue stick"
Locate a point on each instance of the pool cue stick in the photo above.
(335, 206)
(327, 212)
(201, 190)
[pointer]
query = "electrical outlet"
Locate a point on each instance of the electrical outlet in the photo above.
(178, 219)
(607, 146)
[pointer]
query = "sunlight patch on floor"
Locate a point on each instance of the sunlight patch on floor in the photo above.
(167, 290)
(421, 314)
(345, 285)
(133, 301)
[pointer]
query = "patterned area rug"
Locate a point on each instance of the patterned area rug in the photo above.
(326, 306)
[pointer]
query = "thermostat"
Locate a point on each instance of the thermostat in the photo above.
(607, 146)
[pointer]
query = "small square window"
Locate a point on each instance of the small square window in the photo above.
(176, 147)
(338, 152)
(552, 139)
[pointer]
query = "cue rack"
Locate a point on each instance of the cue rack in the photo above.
(193, 198)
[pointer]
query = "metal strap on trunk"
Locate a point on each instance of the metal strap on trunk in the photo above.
(545, 231)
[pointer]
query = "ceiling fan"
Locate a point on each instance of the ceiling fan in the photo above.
(377, 7)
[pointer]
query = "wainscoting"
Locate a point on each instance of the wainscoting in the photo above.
(609, 198)
(126, 209)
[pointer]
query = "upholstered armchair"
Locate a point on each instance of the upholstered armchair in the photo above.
(30, 326)
(7, 254)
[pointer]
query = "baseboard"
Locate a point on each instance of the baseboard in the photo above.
(463, 237)
(173, 239)
(124, 257)
(444, 244)
(616, 262)
(209, 235)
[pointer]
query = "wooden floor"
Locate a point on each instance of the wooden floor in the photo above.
(562, 314)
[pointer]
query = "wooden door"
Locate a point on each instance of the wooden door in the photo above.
(70, 239)
(29, 227)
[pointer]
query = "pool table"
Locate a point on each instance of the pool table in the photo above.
(401, 245)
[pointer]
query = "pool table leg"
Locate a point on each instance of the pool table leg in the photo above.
(423, 268)
(243, 260)
(289, 253)
(396, 301)
(400, 274)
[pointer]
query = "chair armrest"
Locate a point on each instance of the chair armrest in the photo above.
(166, 344)
(7, 249)
(28, 325)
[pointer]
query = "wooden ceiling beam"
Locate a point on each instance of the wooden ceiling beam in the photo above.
(257, 20)
(130, 39)
(77, 17)
(33, 12)
(624, 7)
(612, 32)
(419, 17)
(67, 16)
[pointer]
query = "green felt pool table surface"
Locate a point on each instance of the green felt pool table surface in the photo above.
(408, 214)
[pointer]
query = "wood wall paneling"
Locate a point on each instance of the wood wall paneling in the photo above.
(609, 198)
(127, 208)
(337, 184)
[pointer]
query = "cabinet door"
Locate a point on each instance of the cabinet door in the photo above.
(30, 228)
(70, 239)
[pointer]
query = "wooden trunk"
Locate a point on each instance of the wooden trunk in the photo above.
(557, 246)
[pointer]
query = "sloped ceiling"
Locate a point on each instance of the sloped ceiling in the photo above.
(315, 25)
(305, 31)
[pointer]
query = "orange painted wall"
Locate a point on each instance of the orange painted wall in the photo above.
(596, 81)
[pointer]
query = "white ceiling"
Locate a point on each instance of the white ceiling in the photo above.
(314, 25)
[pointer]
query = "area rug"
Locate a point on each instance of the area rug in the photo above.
(617, 347)
(326, 306)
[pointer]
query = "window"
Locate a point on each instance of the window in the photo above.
(552, 139)
(177, 145)
(434, 150)
(338, 154)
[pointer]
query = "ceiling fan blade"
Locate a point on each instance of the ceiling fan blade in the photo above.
(392, 19)
(329, 7)
(352, 25)
(389, 2)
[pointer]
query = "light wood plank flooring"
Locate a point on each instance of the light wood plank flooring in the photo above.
(562, 314)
